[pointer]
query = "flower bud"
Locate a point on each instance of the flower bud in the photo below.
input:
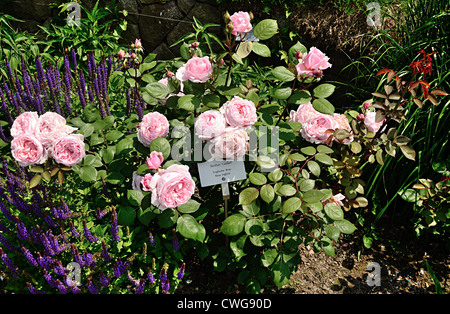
(226, 17)
(360, 117)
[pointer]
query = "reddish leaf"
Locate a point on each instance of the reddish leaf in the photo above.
(439, 91)
(382, 71)
(433, 100)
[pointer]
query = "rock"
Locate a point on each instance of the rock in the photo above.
(163, 52)
(132, 7)
(185, 5)
(156, 21)
(153, 1)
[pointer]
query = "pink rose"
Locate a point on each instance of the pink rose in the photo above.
(171, 187)
(153, 125)
(25, 123)
(136, 181)
(241, 22)
(28, 150)
(138, 44)
(315, 130)
(145, 182)
(304, 113)
(313, 63)
(51, 126)
(231, 144)
(121, 54)
(239, 112)
(371, 124)
(197, 70)
(155, 160)
(209, 124)
(165, 81)
(69, 150)
(342, 122)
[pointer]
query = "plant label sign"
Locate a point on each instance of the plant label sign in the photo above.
(222, 171)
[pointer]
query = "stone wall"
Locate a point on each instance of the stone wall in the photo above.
(159, 23)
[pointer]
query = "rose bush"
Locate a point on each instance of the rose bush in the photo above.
(128, 205)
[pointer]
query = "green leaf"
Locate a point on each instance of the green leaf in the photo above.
(282, 93)
(126, 216)
(162, 145)
(324, 149)
(408, 151)
(189, 207)
(124, 146)
(257, 178)
(254, 227)
(167, 218)
(247, 196)
(157, 90)
(35, 180)
(325, 159)
(233, 225)
(309, 150)
(283, 74)
(291, 205)
(300, 97)
(88, 173)
(313, 196)
(324, 90)
(87, 130)
(306, 185)
(314, 167)
(113, 135)
(244, 49)
(269, 257)
(286, 190)
(280, 273)
(323, 106)
(267, 193)
(334, 211)
(265, 29)
(296, 48)
(345, 226)
(188, 102)
(261, 49)
(135, 197)
(189, 228)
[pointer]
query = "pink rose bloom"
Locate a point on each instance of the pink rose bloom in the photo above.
(51, 126)
(25, 123)
(153, 125)
(69, 150)
(155, 160)
(145, 182)
(197, 70)
(239, 112)
(165, 81)
(241, 22)
(171, 187)
(304, 113)
(314, 131)
(313, 63)
(371, 124)
(231, 144)
(121, 54)
(342, 122)
(138, 44)
(136, 181)
(209, 124)
(27, 150)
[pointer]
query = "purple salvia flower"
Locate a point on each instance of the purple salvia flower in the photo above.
(91, 287)
(119, 268)
(76, 256)
(22, 232)
(139, 107)
(74, 59)
(75, 289)
(104, 279)
(61, 287)
(8, 69)
(5, 107)
(105, 253)
(50, 280)
(33, 290)
(44, 261)
(6, 212)
(7, 243)
(99, 96)
(59, 269)
(175, 243)
(48, 247)
(29, 256)
(40, 72)
(150, 276)
(52, 87)
(9, 264)
(165, 287)
(2, 135)
(140, 287)
(128, 101)
(55, 244)
(89, 259)
(114, 227)
(50, 221)
(87, 233)
(180, 274)
(151, 239)
(101, 213)
(11, 98)
(74, 231)
(3, 228)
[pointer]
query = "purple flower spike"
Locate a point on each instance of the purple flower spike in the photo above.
(33, 290)
(9, 264)
(87, 233)
(114, 227)
(29, 256)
